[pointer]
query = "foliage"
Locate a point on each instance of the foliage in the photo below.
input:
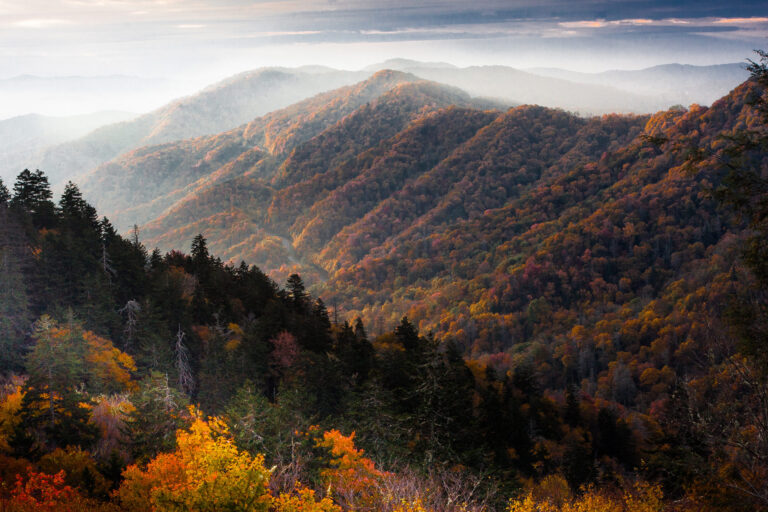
(640, 497)
(303, 500)
(206, 472)
(38, 492)
(79, 469)
(352, 478)
(11, 396)
(549, 299)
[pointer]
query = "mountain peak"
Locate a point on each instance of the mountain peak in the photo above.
(392, 75)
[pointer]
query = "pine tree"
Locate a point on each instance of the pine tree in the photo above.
(14, 298)
(5, 196)
(297, 293)
(407, 335)
(200, 256)
(32, 194)
(52, 409)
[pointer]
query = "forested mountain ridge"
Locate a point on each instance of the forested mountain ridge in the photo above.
(217, 108)
(530, 236)
(401, 204)
(242, 97)
(557, 225)
(284, 146)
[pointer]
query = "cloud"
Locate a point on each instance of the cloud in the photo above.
(39, 23)
(741, 21)
(583, 24)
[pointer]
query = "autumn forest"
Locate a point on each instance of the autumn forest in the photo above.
(390, 295)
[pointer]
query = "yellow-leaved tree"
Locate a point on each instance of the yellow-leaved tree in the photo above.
(553, 495)
(10, 407)
(206, 473)
(304, 500)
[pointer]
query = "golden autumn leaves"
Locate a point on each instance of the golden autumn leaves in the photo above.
(207, 472)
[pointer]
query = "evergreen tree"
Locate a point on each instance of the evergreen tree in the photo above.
(52, 410)
(407, 335)
(320, 312)
(32, 194)
(200, 256)
(5, 196)
(297, 293)
(160, 410)
(14, 298)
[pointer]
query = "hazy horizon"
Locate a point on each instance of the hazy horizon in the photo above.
(180, 46)
(154, 92)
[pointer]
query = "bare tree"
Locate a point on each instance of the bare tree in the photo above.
(131, 311)
(186, 380)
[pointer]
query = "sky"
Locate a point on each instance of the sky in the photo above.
(182, 45)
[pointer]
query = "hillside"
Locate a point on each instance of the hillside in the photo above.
(241, 98)
(406, 204)
(217, 108)
(280, 148)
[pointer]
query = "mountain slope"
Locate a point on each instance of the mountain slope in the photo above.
(577, 242)
(217, 108)
(383, 169)
(493, 214)
(402, 196)
(143, 183)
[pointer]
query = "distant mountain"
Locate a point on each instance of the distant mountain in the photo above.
(246, 96)
(25, 137)
(673, 83)
(641, 91)
(520, 87)
(219, 107)
(271, 148)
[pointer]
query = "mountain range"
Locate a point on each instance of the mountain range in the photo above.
(241, 98)
(221, 106)
(403, 196)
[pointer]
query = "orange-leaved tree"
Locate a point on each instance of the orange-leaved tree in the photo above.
(352, 478)
(206, 473)
(39, 492)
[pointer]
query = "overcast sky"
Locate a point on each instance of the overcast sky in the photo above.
(199, 41)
